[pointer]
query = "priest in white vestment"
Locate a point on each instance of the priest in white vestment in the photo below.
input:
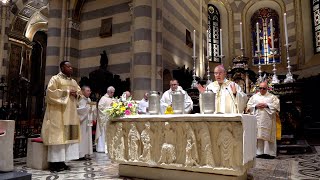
(166, 99)
(87, 113)
(264, 106)
(104, 103)
(61, 125)
(143, 104)
(229, 96)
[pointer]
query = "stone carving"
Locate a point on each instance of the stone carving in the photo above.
(146, 142)
(226, 143)
(191, 147)
(206, 147)
(133, 143)
(168, 152)
(118, 147)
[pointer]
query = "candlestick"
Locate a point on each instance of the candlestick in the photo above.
(194, 42)
(241, 41)
(258, 54)
(194, 84)
(208, 71)
(21, 64)
(258, 38)
(221, 53)
(285, 27)
(275, 79)
(271, 33)
(208, 44)
(289, 77)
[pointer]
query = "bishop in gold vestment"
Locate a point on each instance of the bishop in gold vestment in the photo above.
(61, 124)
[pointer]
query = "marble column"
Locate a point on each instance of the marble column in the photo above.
(54, 39)
(146, 56)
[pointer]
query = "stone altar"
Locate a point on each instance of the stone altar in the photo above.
(183, 146)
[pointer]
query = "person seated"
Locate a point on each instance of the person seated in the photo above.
(166, 99)
(143, 104)
(126, 96)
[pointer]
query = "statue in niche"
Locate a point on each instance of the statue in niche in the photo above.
(226, 143)
(146, 142)
(168, 152)
(133, 143)
(118, 144)
(191, 147)
(206, 147)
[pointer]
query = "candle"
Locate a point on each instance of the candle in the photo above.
(271, 33)
(194, 43)
(221, 43)
(21, 64)
(285, 27)
(208, 44)
(258, 38)
(241, 43)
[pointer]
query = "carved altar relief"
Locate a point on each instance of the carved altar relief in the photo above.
(118, 146)
(205, 146)
(133, 143)
(168, 151)
(191, 147)
(146, 142)
(226, 143)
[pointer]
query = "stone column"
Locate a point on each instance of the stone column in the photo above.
(144, 65)
(4, 37)
(54, 38)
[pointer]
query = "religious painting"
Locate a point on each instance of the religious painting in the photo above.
(265, 36)
(213, 46)
(106, 28)
(189, 42)
(315, 14)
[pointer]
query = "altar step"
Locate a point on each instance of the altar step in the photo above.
(15, 175)
(294, 147)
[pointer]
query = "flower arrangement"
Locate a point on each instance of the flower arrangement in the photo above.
(121, 108)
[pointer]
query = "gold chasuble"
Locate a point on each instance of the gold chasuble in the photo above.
(61, 124)
(226, 101)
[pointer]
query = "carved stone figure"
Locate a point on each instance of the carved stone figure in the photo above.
(146, 142)
(226, 143)
(206, 147)
(168, 152)
(191, 147)
(133, 143)
(118, 144)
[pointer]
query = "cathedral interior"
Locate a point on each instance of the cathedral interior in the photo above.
(140, 45)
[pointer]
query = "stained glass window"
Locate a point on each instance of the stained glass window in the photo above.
(214, 33)
(316, 24)
(263, 17)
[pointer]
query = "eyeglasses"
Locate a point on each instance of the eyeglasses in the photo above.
(173, 84)
(218, 73)
(262, 88)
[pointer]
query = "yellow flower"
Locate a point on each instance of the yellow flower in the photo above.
(122, 109)
(114, 105)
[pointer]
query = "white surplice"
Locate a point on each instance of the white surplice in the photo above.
(87, 115)
(102, 119)
(266, 122)
(226, 102)
(63, 152)
(166, 100)
(143, 106)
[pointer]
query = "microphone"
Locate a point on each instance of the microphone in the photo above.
(232, 97)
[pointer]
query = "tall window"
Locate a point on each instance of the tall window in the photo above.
(214, 33)
(263, 17)
(316, 24)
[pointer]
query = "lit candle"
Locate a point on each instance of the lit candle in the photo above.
(221, 43)
(271, 33)
(21, 64)
(258, 38)
(285, 27)
(241, 43)
(208, 54)
(194, 43)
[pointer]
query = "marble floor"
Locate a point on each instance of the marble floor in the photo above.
(304, 166)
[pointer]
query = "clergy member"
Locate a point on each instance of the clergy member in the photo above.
(103, 104)
(264, 106)
(61, 124)
(87, 113)
(229, 96)
(143, 104)
(166, 99)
